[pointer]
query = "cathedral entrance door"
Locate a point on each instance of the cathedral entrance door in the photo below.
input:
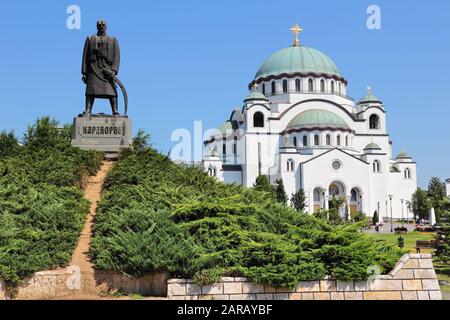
(336, 193)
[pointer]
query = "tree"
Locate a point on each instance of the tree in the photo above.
(9, 145)
(280, 193)
(46, 134)
(443, 236)
(334, 216)
(336, 203)
(436, 194)
(141, 141)
(375, 218)
(262, 183)
(436, 191)
(298, 200)
(420, 203)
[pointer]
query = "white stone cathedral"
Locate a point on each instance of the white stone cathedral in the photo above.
(297, 124)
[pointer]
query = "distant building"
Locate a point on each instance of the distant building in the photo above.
(447, 187)
(297, 124)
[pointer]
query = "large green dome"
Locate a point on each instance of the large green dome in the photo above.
(297, 59)
(317, 119)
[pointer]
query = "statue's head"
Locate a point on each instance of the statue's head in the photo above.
(102, 25)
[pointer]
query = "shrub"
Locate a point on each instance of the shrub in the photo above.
(156, 215)
(262, 183)
(359, 217)
(375, 218)
(42, 208)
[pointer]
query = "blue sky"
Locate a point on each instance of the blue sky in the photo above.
(192, 60)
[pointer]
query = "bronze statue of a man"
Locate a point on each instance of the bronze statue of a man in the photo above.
(101, 59)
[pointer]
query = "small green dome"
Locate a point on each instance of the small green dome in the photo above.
(369, 98)
(297, 59)
(318, 119)
(255, 95)
(403, 155)
(372, 146)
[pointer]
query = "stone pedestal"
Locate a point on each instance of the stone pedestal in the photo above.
(105, 133)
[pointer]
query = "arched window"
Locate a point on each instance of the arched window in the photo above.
(317, 195)
(310, 85)
(273, 88)
(340, 88)
(346, 141)
(235, 146)
(297, 85)
(376, 166)
(290, 165)
(305, 141)
(285, 86)
(354, 195)
(264, 88)
(374, 122)
(212, 171)
(224, 148)
(295, 142)
(332, 86)
(328, 140)
(322, 86)
(316, 140)
(338, 140)
(407, 173)
(258, 120)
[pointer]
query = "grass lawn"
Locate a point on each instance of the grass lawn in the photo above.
(410, 239)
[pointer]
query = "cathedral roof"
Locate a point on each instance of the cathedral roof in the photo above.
(318, 119)
(297, 60)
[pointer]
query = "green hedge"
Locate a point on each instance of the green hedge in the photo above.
(42, 207)
(155, 215)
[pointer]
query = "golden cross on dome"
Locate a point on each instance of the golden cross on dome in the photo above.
(296, 31)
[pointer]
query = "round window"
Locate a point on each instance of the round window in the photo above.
(336, 165)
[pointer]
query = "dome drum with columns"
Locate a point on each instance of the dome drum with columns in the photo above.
(297, 124)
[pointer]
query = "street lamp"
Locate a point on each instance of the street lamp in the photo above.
(387, 212)
(392, 220)
(401, 200)
(408, 209)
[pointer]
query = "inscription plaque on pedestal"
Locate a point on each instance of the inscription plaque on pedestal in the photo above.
(102, 133)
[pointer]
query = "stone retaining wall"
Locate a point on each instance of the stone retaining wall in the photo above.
(413, 278)
(67, 283)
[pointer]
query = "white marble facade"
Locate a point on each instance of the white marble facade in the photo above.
(297, 124)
